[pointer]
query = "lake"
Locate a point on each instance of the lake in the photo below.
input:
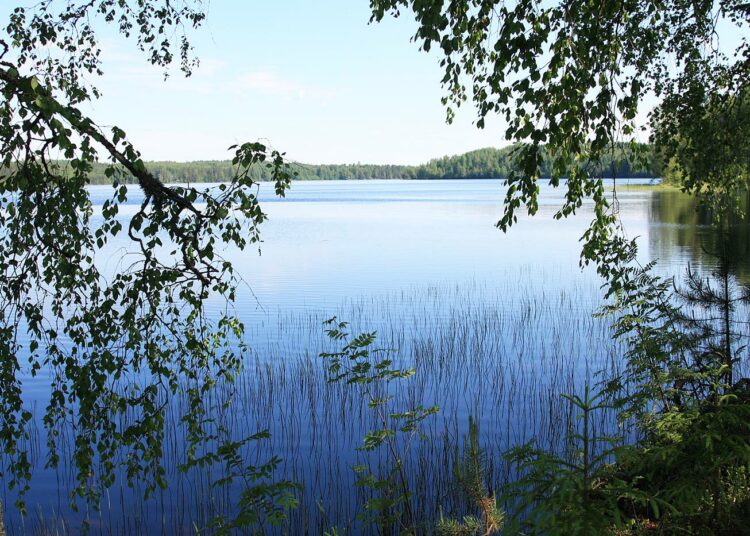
(496, 325)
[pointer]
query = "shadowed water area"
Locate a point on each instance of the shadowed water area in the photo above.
(495, 325)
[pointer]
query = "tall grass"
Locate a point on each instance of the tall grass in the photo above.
(502, 355)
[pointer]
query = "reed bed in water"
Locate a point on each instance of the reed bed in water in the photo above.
(502, 355)
(504, 364)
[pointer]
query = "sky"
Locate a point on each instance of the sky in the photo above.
(312, 79)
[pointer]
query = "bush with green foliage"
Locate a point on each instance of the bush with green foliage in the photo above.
(371, 369)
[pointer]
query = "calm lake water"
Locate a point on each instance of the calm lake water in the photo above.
(496, 325)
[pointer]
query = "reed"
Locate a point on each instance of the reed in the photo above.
(476, 354)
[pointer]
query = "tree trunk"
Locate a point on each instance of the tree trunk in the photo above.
(726, 306)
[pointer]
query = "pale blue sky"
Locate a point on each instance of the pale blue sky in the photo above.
(313, 79)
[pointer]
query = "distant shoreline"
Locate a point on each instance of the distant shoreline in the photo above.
(658, 187)
(649, 186)
(487, 163)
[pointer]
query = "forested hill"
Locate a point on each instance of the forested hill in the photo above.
(493, 163)
(480, 164)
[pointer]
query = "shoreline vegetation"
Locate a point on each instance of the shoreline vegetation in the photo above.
(486, 163)
(661, 186)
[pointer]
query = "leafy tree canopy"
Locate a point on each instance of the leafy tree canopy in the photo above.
(707, 146)
(117, 345)
(573, 76)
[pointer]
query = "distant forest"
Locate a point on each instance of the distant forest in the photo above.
(485, 163)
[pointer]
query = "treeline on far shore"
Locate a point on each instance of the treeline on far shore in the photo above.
(487, 163)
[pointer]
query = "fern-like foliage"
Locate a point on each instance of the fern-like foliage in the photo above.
(469, 473)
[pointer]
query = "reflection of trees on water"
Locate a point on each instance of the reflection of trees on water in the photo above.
(680, 232)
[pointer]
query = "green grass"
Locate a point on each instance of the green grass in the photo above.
(660, 187)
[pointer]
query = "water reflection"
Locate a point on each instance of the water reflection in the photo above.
(681, 232)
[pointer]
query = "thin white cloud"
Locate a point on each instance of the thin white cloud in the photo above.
(269, 83)
(213, 77)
